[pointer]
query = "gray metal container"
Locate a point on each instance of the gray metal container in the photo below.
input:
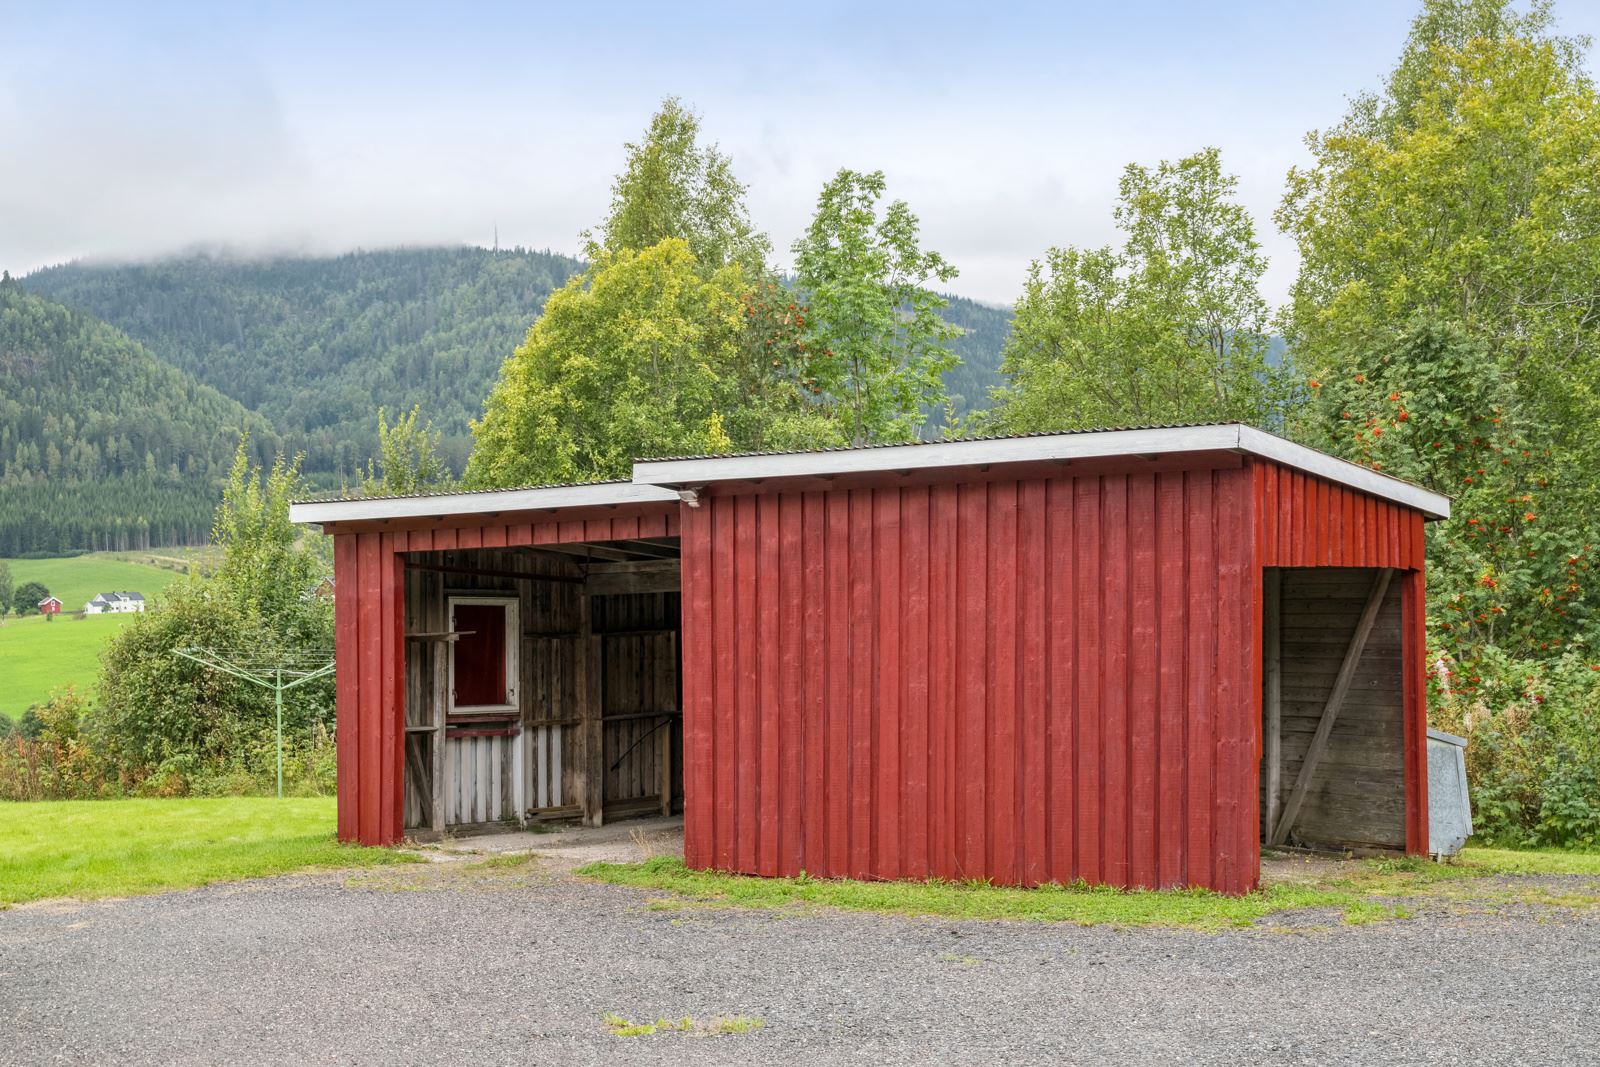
(1449, 807)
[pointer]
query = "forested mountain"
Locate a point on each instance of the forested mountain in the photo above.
(101, 444)
(317, 345)
(114, 433)
(979, 347)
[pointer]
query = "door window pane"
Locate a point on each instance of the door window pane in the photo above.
(480, 655)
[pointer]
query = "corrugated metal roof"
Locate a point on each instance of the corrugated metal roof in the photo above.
(339, 496)
(937, 441)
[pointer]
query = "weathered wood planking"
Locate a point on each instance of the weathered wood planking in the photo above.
(1357, 794)
(480, 775)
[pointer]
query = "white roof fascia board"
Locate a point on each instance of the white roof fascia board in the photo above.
(1094, 444)
(608, 494)
(1365, 479)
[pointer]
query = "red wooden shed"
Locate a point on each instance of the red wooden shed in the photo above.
(1126, 656)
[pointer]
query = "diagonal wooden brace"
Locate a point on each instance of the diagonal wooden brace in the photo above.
(1330, 712)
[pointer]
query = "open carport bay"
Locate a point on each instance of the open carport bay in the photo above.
(501, 962)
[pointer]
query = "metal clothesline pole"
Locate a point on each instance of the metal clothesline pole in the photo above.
(219, 661)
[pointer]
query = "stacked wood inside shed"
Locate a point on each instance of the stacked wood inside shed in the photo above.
(596, 731)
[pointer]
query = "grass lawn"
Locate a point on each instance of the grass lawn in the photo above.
(99, 848)
(1360, 892)
(37, 656)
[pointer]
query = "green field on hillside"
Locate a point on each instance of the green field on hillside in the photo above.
(38, 655)
(76, 579)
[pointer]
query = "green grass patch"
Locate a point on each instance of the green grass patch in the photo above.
(1515, 861)
(1079, 904)
(39, 657)
(100, 848)
(509, 860)
(1360, 892)
(720, 1026)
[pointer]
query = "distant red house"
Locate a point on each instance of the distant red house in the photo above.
(49, 606)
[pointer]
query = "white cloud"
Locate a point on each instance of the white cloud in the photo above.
(323, 129)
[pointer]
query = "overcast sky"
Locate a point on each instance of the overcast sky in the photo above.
(131, 133)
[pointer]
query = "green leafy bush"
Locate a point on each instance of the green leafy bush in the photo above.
(164, 725)
(1533, 753)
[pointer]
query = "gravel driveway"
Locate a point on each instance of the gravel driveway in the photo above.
(461, 962)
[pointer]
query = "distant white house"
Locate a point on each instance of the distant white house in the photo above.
(114, 604)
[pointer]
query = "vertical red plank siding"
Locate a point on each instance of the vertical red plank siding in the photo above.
(887, 777)
(1061, 576)
(1172, 604)
(1114, 689)
(346, 654)
(1001, 814)
(1200, 669)
(769, 662)
(391, 711)
(1033, 732)
(1143, 683)
(971, 651)
(746, 710)
(1084, 777)
(369, 693)
(1028, 681)
(790, 682)
(369, 685)
(1415, 649)
(1237, 704)
(699, 708)
(916, 682)
(862, 647)
(941, 681)
(814, 728)
(724, 720)
(836, 859)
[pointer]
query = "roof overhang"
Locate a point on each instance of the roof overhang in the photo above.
(448, 505)
(1079, 445)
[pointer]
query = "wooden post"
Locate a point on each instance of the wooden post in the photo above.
(666, 730)
(438, 702)
(1272, 698)
(1330, 712)
(591, 728)
(665, 767)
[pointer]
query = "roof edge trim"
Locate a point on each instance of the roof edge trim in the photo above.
(595, 494)
(1082, 444)
(1270, 446)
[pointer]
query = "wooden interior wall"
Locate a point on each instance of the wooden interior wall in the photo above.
(1028, 681)
(636, 636)
(477, 772)
(640, 695)
(375, 679)
(1356, 795)
(1304, 521)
